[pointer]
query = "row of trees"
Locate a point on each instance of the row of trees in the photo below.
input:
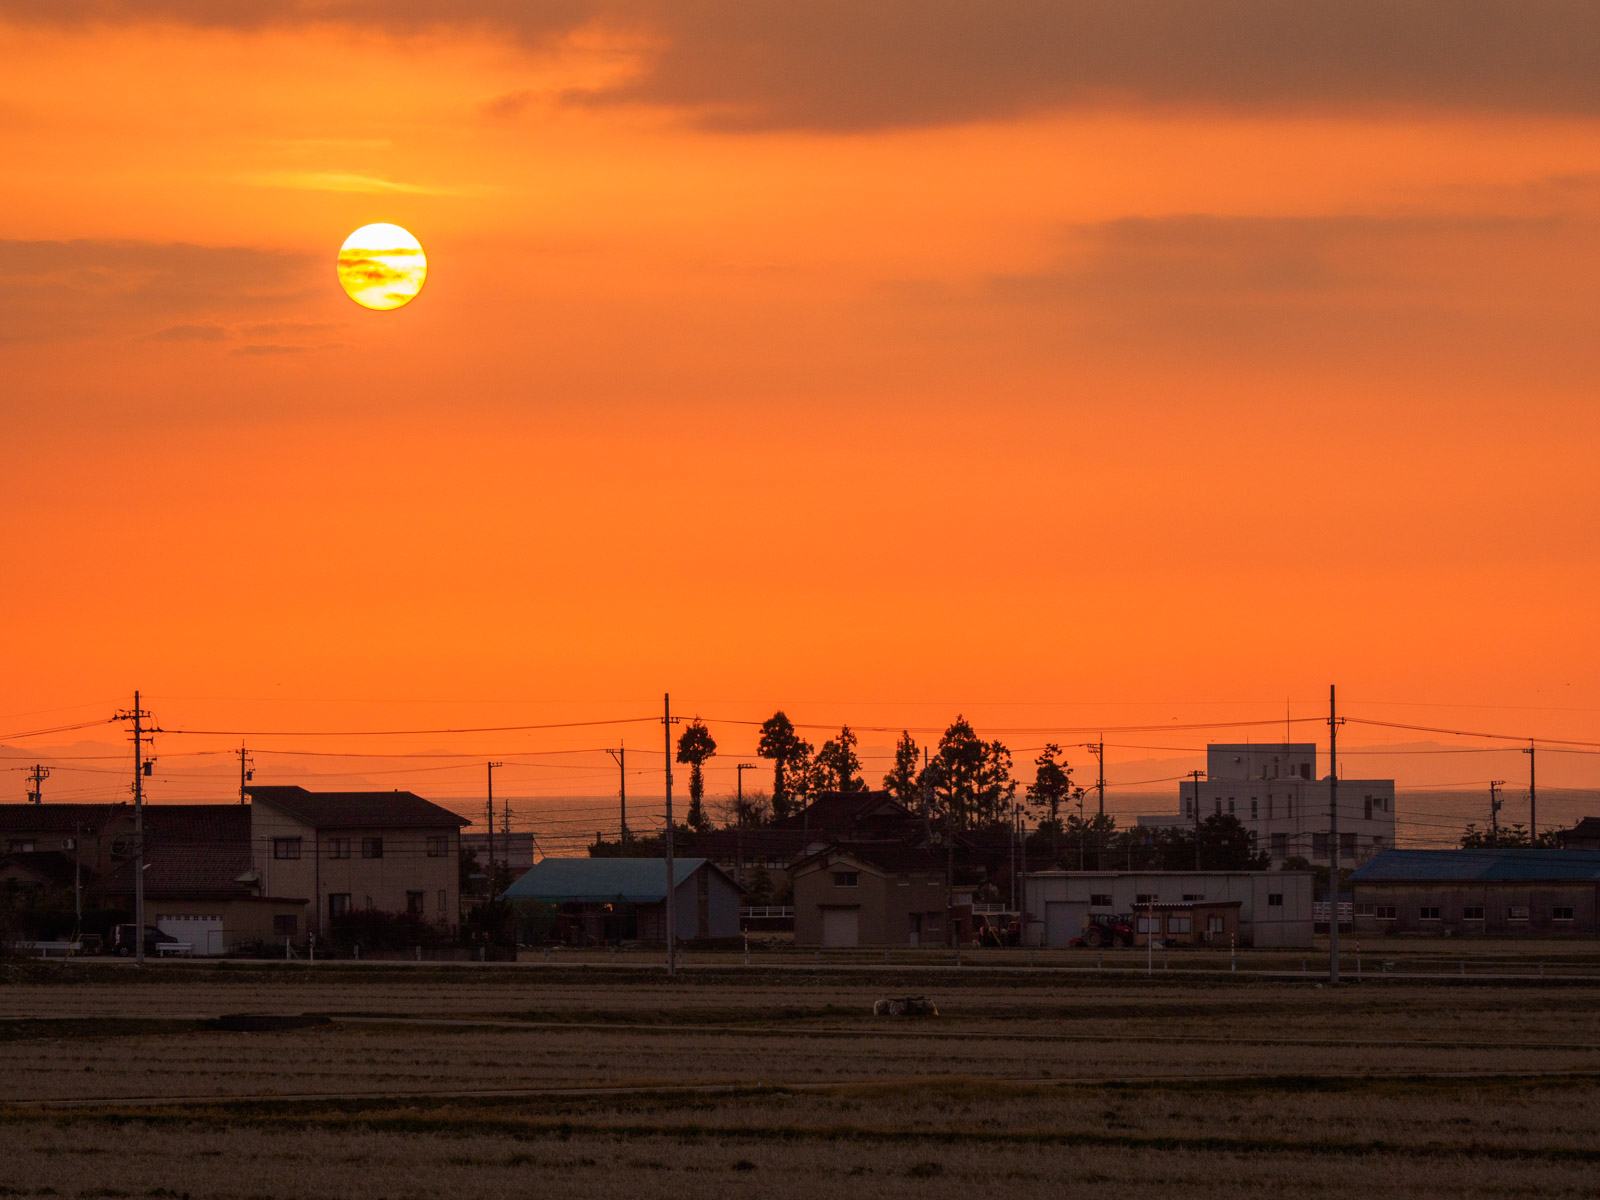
(965, 784)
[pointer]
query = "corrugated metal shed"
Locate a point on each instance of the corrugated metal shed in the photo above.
(601, 880)
(1400, 866)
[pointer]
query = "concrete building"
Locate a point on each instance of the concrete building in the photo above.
(1275, 790)
(625, 899)
(512, 850)
(1484, 893)
(871, 897)
(1274, 906)
(384, 851)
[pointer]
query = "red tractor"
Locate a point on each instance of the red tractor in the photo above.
(1103, 929)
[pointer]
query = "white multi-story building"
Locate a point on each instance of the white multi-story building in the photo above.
(1277, 793)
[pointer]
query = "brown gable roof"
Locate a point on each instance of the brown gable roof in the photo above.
(350, 810)
(192, 872)
(59, 818)
(50, 867)
(212, 824)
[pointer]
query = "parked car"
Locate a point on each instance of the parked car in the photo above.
(122, 939)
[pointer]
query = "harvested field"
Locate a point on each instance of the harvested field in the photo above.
(120, 1084)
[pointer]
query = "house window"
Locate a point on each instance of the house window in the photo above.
(1149, 924)
(285, 925)
(847, 879)
(1319, 845)
(1347, 845)
(1387, 912)
(439, 846)
(1274, 899)
(285, 847)
(338, 905)
(444, 901)
(1219, 806)
(1517, 912)
(1562, 913)
(1099, 900)
(1472, 912)
(1253, 808)
(1177, 924)
(1365, 908)
(930, 923)
(1269, 806)
(1213, 924)
(1305, 770)
(1280, 843)
(1145, 898)
(1369, 808)
(372, 847)
(416, 903)
(1188, 808)
(1188, 896)
(1428, 912)
(338, 847)
(1230, 806)
(21, 847)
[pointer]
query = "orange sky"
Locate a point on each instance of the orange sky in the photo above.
(872, 365)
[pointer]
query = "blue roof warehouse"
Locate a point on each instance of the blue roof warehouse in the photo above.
(1479, 893)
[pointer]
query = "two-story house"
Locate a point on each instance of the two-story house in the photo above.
(348, 851)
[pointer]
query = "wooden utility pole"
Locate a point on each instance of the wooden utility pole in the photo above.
(672, 900)
(1494, 809)
(37, 774)
(1333, 839)
(1533, 796)
(246, 772)
(141, 768)
(620, 756)
(491, 767)
(1196, 776)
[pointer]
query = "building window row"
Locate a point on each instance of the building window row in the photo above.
(1469, 912)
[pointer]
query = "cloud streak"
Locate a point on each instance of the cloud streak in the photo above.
(842, 65)
(61, 289)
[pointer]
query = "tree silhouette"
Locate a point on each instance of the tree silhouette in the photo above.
(1226, 845)
(791, 756)
(902, 781)
(838, 768)
(972, 787)
(1051, 787)
(694, 747)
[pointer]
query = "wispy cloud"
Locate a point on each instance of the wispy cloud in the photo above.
(345, 181)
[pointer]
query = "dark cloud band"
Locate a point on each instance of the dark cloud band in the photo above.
(848, 65)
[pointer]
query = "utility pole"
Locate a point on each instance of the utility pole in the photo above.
(1333, 838)
(246, 772)
(1196, 776)
(741, 768)
(37, 774)
(1494, 809)
(1533, 798)
(141, 767)
(672, 904)
(1099, 749)
(491, 767)
(620, 755)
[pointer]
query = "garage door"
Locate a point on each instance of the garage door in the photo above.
(841, 927)
(1063, 921)
(203, 933)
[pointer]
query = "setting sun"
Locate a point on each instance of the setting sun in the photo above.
(382, 266)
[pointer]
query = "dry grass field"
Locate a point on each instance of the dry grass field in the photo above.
(778, 1082)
